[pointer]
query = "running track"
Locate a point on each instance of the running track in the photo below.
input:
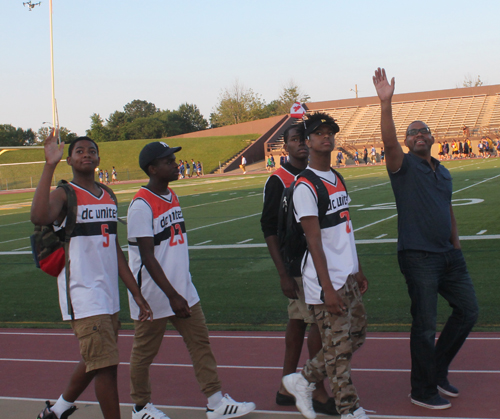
(35, 364)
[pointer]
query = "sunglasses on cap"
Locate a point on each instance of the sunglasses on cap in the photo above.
(415, 131)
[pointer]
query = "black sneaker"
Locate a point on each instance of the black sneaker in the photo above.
(449, 390)
(435, 402)
(328, 408)
(284, 400)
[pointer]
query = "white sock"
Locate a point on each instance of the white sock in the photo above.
(61, 406)
(214, 400)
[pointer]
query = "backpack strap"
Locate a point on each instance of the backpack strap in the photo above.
(113, 197)
(71, 211)
(323, 197)
(341, 178)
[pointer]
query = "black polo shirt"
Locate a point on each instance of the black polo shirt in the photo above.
(423, 198)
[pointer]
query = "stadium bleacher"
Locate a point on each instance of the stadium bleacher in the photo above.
(445, 111)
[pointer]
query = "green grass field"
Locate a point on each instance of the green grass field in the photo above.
(121, 154)
(232, 270)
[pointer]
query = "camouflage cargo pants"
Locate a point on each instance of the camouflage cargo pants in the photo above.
(341, 337)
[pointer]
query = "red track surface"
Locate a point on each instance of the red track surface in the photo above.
(38, 363)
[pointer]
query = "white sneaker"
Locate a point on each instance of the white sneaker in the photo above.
(230, 409)
(359, 413)
(149, 412)
(302, 390)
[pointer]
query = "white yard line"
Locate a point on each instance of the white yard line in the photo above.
(223, 222)
(205, 242)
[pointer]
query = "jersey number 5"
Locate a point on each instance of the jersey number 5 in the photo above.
(105, 234)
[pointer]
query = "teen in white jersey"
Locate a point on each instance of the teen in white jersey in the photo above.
(158, 251)
(96, 260)
(333, 280)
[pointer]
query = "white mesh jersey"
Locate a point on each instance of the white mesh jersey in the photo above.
(160, 217)
(93, 258)
(337, 234)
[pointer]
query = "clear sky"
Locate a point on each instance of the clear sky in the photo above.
(110, 52)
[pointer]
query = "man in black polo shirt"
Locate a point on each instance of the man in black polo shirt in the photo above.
(429, 253)
(299, 313)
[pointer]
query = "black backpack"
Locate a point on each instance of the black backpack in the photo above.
(292, 240)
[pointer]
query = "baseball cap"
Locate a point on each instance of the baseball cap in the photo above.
(316, 124)
(156, 150)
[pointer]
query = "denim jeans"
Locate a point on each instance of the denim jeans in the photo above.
(428, 274)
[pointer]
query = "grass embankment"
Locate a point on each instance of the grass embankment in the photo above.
(123, 155)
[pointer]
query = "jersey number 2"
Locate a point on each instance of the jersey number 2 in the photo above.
(345, 214)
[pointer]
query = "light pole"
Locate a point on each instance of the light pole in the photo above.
(54, 111)
(355, 90)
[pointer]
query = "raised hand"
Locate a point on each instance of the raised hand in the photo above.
(53, 151)
(384, 89)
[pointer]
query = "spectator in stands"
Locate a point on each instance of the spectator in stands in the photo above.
(340, 158)
(182, 169)
(466, 131)
(491, 149)
(440, 150)
(480, 148)
(365, 155)
(373, 155)
(429, 253)
(283, 158)
(446, 150)
(195, 170)
(243, 165)
(454, 149)
(268, 164)
(356, 158)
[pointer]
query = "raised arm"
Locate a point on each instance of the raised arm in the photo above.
(393, 151)
(46, 206)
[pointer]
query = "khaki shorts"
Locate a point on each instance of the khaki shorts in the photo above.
(98, 337)
(298, 309)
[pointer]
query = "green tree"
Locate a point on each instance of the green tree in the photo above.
(98, 132)
(291, 93)
(66, 135)
(142, 128)
(29, 137)
(236, 105)
(187, 118)
(139, 109)
(10, 135)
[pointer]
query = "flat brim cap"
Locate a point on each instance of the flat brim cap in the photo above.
(316, 124)
(156, 150)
